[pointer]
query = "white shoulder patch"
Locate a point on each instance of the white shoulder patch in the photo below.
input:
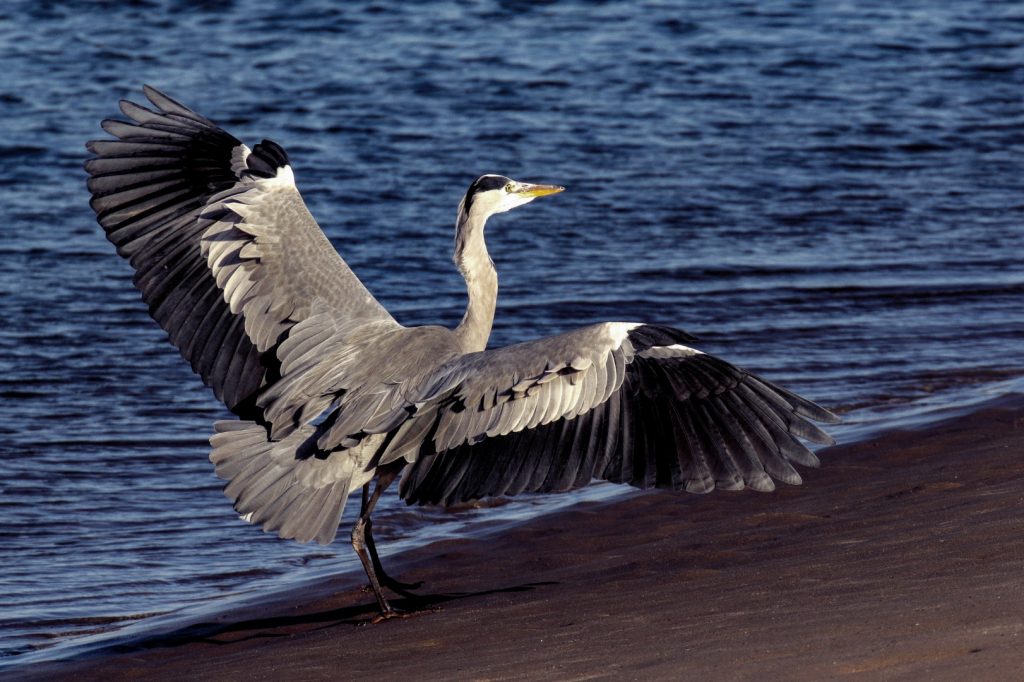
(284, 179)
(620, 330)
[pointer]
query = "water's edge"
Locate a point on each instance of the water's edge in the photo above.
(858, 426)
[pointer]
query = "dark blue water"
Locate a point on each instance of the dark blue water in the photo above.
(829, 193)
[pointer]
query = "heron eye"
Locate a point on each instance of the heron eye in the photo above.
(509, 187)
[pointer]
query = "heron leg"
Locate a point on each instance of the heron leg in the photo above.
(366, 549)
(396, 586)
(359, 545)
(385, 479)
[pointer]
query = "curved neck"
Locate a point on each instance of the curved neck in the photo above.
(481, 281)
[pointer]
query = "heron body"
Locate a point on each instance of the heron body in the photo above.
(331, 393)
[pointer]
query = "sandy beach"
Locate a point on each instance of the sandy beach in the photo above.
(901, 558)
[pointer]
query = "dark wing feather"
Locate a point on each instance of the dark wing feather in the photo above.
(149, 188)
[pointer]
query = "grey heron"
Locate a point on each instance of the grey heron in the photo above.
(331, 394)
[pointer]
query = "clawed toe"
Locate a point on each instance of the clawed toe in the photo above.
(388, 614)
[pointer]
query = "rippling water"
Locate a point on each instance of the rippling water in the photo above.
(829, 193)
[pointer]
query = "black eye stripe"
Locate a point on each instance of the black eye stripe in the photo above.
(488, 182)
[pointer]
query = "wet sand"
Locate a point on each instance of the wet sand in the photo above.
(901, 558)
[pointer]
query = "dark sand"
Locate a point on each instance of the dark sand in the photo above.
(901, 558)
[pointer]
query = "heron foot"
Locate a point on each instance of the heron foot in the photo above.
(388, 614)
(392, 612)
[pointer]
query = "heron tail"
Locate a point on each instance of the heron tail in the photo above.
(285, 486)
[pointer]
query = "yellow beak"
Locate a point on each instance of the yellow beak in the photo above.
(528, 190)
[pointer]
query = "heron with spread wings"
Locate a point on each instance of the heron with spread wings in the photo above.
(332, 395)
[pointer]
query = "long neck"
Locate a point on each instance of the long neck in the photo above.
(481, 281)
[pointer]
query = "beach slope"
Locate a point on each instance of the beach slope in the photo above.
(901, 558)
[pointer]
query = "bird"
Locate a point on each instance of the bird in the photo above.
(331, 395)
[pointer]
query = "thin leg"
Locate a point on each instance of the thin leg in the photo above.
(366, 550)
(359, 545)
(396, 586)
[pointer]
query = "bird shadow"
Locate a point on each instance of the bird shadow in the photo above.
(223, 634)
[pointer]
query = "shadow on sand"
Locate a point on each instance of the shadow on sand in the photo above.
(284, 626)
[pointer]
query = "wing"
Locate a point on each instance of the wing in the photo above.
(225, 252)
(624, 403)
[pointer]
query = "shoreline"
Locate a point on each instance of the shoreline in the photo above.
(859, 570)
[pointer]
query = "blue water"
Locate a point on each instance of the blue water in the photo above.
(828, 193)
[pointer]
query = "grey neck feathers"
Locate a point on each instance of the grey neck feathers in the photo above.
(476, 267)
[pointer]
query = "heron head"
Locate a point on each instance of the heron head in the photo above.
(490, 194)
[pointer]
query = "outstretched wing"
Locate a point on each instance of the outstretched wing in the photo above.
(225, 252)
(620, 402)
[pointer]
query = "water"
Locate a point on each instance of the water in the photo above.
(828, 193)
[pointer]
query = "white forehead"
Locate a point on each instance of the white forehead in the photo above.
(490, 194)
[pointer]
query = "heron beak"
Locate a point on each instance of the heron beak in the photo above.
(532, 191)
